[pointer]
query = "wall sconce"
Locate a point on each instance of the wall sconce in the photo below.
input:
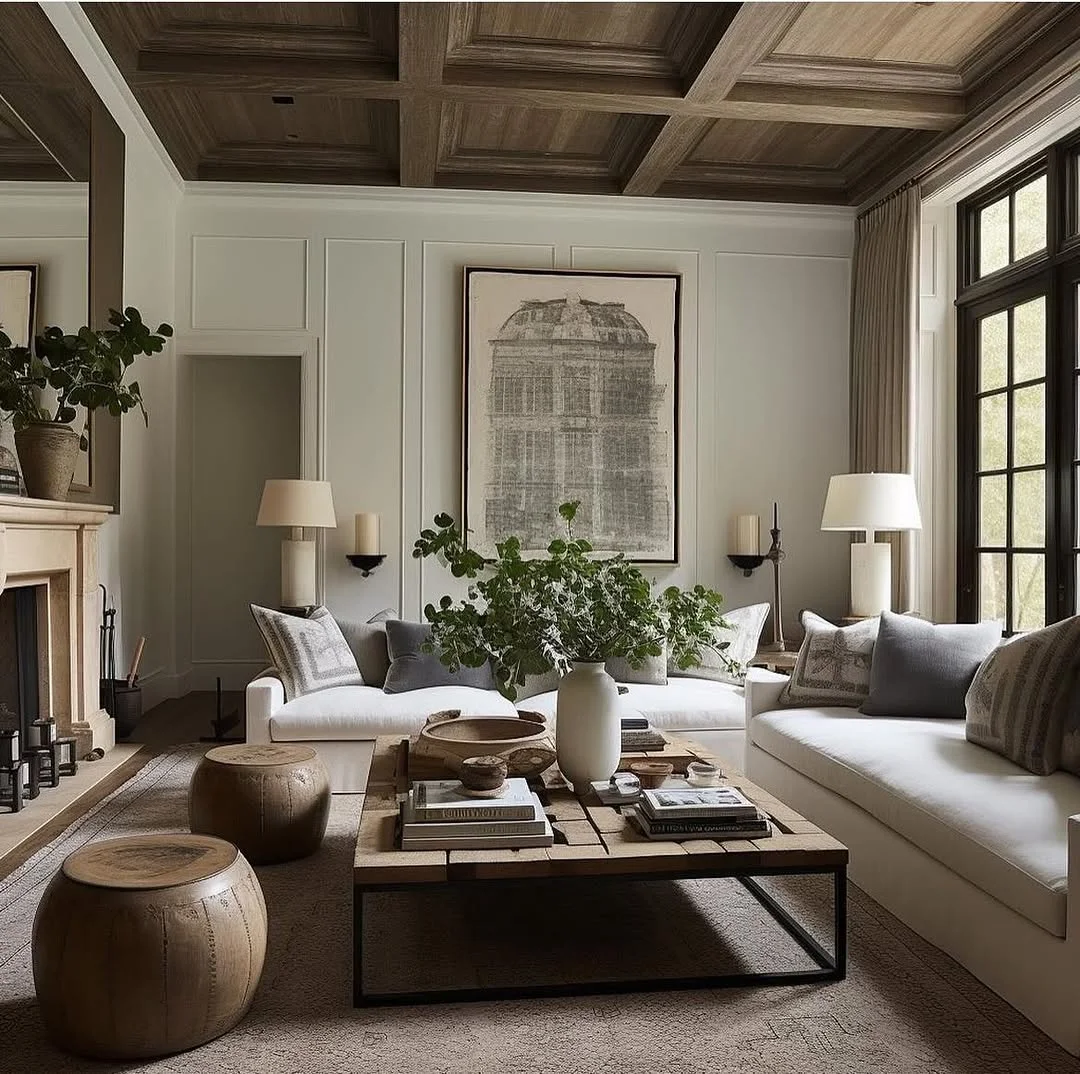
(366, 555)
(746, 543)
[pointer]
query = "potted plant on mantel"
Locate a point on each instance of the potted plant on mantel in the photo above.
(567, 612)
(44, 387)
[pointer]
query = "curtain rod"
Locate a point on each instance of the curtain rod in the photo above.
(915, 181)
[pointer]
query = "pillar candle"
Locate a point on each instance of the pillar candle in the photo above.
(747, 535)
(367, 534)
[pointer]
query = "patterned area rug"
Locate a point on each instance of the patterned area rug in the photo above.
(904, 1007)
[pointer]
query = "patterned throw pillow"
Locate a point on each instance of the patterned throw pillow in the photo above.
(833, 665)
(743, 635)
(310, 654)
(1020, 701)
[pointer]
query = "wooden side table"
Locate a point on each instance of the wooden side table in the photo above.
(782, 661)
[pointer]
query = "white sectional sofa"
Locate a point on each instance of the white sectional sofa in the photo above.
(968, 849)
(342, 722)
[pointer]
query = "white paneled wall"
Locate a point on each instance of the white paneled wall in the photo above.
(371, 282)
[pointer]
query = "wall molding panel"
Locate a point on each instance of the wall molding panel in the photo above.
(382, 292)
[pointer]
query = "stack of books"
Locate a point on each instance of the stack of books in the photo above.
(638, 734)
(437, 815)
(707, 813)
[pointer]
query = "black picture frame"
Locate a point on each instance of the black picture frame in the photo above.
(624, 508)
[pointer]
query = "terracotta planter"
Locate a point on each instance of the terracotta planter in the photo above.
(47, 453)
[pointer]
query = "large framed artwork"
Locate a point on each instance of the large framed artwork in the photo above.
(18, 299)
(18, 304)
(572, 393)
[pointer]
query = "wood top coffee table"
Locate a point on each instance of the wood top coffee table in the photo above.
(593, 841)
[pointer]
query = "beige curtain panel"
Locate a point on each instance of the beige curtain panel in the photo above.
(884, 330)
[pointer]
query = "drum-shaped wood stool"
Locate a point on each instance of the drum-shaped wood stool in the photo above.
(271, 799)
(148, 945)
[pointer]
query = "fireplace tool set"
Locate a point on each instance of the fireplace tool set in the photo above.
(120, 698)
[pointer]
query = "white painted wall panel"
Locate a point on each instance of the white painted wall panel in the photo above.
(364, 294)
(259, 284)
(781, 410)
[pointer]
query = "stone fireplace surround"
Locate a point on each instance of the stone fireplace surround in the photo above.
(55, 546)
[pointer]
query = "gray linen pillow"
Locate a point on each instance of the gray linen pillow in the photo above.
(1022, 696)
(833, 665)
(920, 669)
(368, 643)
(413, 669)
(743, 635)
(653, 671)
(310, 654)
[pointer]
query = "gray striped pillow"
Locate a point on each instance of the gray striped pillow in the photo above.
(1022, 693)
(309, 654)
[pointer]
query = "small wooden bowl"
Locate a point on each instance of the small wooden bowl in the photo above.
(651, 773)
(483, 773)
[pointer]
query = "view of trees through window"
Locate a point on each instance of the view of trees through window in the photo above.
(1019, 540)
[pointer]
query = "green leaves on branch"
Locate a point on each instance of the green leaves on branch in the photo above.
(531, 615)
(64, 372)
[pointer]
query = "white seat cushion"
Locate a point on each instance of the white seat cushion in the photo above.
(987, 819)
(362, 712)
(681, 705)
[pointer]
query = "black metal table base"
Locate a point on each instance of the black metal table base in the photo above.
(830, 966)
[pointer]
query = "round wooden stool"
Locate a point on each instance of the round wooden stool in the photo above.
(148, 945)
(271, 800)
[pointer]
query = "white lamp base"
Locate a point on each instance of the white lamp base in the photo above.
(871, 578)
(297, 574)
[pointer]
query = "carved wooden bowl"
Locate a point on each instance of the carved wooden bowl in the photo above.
(524, 742)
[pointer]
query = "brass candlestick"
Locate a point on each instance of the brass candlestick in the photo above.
(776, 555)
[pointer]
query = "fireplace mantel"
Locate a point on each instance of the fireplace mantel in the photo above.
(55, 545)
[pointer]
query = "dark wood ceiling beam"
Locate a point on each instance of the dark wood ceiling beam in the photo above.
(860, 108)
(525, 183)
(289, 161)
(556, 57)
(254, 39)
(493, 162)
(423, 31)
(585, 84)
(827, 72)
(211, 69)
(763, 175)
(746, 39)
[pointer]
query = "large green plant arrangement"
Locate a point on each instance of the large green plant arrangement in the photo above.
(86, 369)
(528, 616)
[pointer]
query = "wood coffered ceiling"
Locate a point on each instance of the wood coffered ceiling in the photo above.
(46, 102)
(814, 102)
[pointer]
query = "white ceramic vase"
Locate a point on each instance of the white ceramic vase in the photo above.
(588, 730)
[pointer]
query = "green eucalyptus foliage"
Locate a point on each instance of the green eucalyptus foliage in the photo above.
(533, 615)
(86, 369)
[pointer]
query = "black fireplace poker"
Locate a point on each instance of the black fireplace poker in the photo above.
(107, 653)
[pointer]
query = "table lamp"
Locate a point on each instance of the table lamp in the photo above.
(297, 504)
(871, 502)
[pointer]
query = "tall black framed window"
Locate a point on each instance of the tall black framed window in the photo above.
(1019, 468)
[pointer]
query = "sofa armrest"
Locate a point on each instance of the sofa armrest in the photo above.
(1072, 874)
(264, 696)
(762, 691)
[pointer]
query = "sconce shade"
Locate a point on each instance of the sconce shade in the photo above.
(871, 502)
(297, 503)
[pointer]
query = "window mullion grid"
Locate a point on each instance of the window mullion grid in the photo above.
(1010, 440)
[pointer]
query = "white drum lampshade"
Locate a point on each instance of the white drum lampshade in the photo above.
(297, 504)
(868, 503)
